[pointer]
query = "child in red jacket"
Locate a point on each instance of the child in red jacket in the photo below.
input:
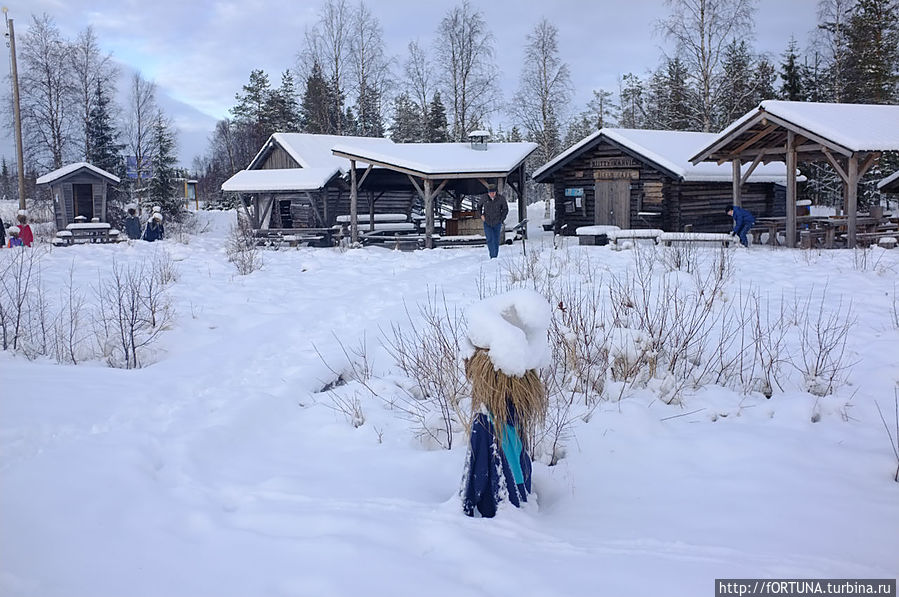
(25, 230)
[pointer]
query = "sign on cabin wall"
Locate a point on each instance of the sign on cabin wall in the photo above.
(574, 192)
(616, 174)
(652, 193)
(620, 162)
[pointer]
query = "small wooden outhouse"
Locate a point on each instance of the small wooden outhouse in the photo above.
(78, 189)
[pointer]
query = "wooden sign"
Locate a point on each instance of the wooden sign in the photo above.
(616, 174)
(652, 193)
(620, 162)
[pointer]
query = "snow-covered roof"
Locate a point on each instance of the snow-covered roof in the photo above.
(670, 150)
(433, 159)
(844, 128)
(288, 179)
(71, 168)
(889, 180)
(314, 151)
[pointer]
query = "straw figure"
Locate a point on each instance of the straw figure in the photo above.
(507, 341)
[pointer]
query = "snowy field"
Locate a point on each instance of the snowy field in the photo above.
(220, 468)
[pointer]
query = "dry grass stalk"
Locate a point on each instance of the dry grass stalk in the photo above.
(492, 388)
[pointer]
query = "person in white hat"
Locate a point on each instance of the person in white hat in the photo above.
(14, 240)
(154, 230)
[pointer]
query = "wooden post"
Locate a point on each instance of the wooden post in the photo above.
(522, 203)
(791, 189)
(738, 200)
(429, 214)
(354, 199)
(17, 113)
(852, 198)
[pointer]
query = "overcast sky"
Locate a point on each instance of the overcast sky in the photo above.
(200, 52)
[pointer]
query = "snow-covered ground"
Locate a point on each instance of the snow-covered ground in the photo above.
(220, 469)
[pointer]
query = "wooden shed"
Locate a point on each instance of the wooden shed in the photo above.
(295, 183)
(634, 178)
(78, 189)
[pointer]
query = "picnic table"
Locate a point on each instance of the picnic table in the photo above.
(87, 232)
(820, 231)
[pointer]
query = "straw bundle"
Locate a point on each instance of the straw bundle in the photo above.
(492, 388)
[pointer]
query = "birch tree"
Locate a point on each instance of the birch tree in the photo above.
(371, 70)
(701, 29)
(48, 115)
(467, 73)
(141, 118)
(329, 44)
(93, 73)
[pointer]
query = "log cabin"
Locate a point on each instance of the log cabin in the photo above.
(634, 178)
(79, 189)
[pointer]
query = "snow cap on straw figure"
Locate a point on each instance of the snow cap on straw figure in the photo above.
(506, 347)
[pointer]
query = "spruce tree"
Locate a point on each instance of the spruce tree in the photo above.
(632, 115)
(282, 110)
(407, 120)
(737, 91)
(163, 184)
(872, 65)
(437, 128)
(791, 74)
(314, 108)
(104, 151)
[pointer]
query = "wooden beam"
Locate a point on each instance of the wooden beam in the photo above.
(429, 214)
(751, 168)
(737, 181)
(354, 200)
(835, 164)
(264, 220)
(791, 189)
(760, 135)
(365, 174)
(318, 215)
(421, 193)
(522, 204)
(869, 161)
(852, 199)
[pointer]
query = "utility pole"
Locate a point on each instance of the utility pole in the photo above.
(17, 114)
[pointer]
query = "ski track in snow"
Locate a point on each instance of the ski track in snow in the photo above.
(217, 471)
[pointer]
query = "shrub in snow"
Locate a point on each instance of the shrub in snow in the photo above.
(427, 348)
(242, 250)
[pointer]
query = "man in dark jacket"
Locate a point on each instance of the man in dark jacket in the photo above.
(743, 221)
(494, 210)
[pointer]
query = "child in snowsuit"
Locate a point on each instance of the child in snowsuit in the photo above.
(743, 221)
(25, 230)
(14, 240)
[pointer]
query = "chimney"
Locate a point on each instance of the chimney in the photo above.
(479, 140)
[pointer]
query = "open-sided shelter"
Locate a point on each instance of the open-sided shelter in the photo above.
(457, 168)
(78, 189)
(850, 137)
(635, 178)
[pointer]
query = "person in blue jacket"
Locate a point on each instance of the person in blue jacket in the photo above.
(154, 230)
(743, 221)
(498, 467)
(132, 224)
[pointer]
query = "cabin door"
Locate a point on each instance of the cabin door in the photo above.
(84, 200)
(613, 203)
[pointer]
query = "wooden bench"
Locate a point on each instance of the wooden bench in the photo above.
(670, 238)
(652, 234)
(865, 239)
(594, 235)
(293, 237)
